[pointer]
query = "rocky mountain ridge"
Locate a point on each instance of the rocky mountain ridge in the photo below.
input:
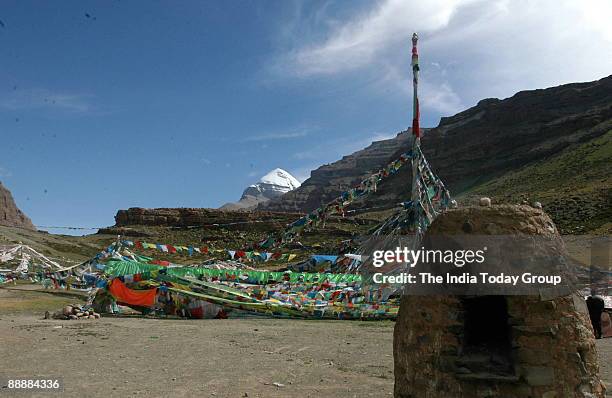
(496, 136)
(476, 146)
(10, 215)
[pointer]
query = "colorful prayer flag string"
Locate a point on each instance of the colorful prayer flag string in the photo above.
(336, 206)
(251, 255)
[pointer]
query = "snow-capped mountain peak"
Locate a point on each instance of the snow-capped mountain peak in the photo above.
(280, 178)
(272, 185)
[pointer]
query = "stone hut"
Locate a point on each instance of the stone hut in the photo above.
(495, 346)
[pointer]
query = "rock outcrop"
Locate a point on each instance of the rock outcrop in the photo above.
(273, 185)
(10, 215)
(185, 217)
(472, 147)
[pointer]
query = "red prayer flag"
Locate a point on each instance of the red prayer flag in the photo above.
(141, 298)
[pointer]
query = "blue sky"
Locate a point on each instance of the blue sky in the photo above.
(114, 104)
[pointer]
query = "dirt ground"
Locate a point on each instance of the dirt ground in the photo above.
(186, 358)
(216, 358)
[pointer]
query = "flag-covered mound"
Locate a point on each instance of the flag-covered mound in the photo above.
(201, 292)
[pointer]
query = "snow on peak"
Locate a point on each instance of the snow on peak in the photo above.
(274, 184)
(280, 178)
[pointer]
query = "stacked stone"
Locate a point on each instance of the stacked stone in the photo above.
(75, 312)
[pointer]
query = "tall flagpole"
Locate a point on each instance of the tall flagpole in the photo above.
(416, 130)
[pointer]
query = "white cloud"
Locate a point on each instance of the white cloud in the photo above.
(21, 99)
(469, 49)
(436, 94)
(305, 154)
(303, 173)
(358, 42)
(440, 97)
(276, 136)
(5, 173)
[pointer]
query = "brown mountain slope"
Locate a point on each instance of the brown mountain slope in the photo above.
(574, 186)
(10, 215)
(475, 146)
(497, 136)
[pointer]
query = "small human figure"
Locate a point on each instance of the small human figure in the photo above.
(606, 324)
(596, 306)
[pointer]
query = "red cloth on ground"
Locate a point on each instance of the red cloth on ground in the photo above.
(123, 294)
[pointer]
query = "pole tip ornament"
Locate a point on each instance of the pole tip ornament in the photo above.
(415, 38)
